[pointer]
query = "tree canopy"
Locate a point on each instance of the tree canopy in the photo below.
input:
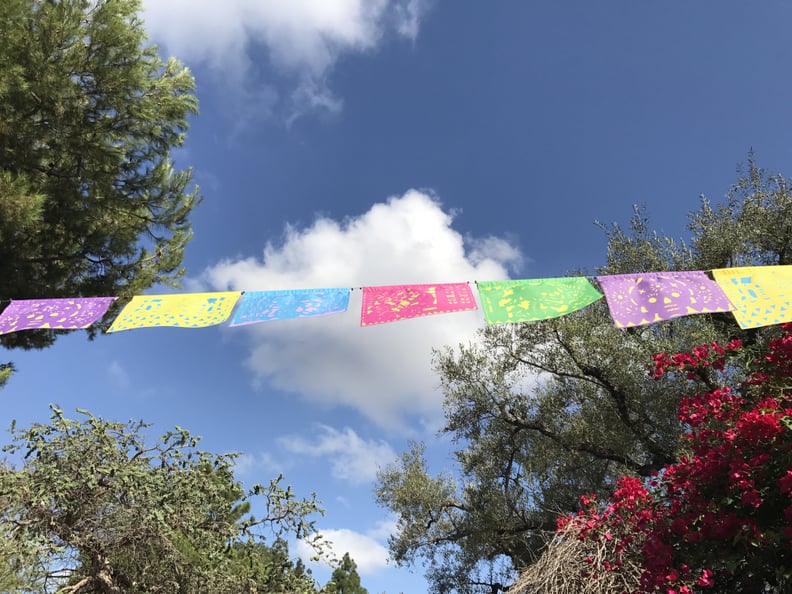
(91, 506)
(541, 413)
(91, 203)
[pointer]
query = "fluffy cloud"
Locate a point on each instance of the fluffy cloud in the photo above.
(366, 550)
(351, 458)
(301, 39)
(382, 371)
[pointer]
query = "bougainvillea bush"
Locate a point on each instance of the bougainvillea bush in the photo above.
(720, 519)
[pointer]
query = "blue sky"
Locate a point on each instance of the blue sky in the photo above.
(362, 142)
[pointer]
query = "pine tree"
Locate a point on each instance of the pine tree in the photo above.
(91, 203)
(345, 578)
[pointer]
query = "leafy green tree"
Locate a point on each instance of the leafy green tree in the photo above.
(14, 559)
(94, 509)
(90, 201)
(345, 578)
(541, 413)
(270, 569)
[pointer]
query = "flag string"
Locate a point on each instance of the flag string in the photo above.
(755, 295)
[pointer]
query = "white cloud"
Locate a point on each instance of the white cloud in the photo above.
(301, 39)
(369, 554)
(409, 16)
(383, 371)
(494, 249)
(384, 529)
(352, 458)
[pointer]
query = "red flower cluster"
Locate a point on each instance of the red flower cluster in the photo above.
(723, 512)
(706, 355)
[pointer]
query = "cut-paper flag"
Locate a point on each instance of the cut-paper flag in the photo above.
(528, 300)
(401, 302)
(762, 295)
(263, 306)
(188, 310)
(645, 298)
(54, 314)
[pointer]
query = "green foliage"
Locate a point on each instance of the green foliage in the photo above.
(6, 371)
(345, 578)
(269, 569)
(540, 413)
(753, 227)
(90, 201)
(93, 508)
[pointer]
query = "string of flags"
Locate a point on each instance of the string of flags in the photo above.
(756, 296)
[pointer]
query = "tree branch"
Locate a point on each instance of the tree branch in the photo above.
(75, 587)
